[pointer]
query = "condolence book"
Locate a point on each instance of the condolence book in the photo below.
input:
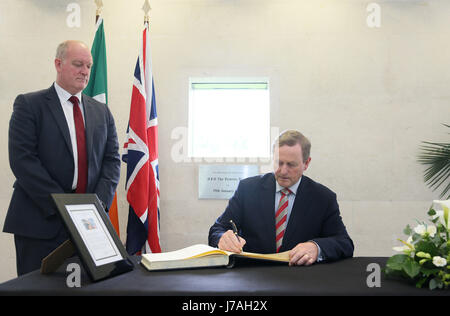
(197, 256)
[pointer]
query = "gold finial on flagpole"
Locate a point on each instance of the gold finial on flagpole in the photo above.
(99, 4)
(146, 8)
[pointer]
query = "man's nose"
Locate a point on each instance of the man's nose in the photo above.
(282, 169)
(85, 70)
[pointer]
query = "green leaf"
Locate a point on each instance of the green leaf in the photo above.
(407, 230)
(427, 247)
(436, 283)
(431, 212)
(436, 156)
(427, 272)
(421, 282)
(411, 267)
(437, 241)
(446, 211)
(433, 284)
(396, 262)
(416, 237)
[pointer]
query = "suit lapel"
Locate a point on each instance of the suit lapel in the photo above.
(88, 125)
(268, 212)
(55, 108)
(301, 203)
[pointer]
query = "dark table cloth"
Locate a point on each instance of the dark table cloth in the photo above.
(247, 278)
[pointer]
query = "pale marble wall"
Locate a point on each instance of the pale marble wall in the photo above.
(366, 97)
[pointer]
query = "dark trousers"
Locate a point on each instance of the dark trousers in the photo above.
(31, 251)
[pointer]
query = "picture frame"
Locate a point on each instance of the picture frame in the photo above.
(93, 236)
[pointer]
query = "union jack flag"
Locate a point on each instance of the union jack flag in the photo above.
(141, 156)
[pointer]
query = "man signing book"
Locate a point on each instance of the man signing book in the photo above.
(284, 211)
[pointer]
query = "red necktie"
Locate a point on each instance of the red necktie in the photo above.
(281, 217)
(81, 146)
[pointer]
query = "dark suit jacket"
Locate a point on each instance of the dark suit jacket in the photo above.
(314, 216)
(41, 158)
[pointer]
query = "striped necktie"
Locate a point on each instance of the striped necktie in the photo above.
(281, 217)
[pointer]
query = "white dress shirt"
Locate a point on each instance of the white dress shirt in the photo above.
(291, 197)
(67, 107)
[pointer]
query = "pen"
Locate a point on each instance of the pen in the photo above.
(235, 231)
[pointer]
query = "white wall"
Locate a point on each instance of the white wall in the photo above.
(366, 97)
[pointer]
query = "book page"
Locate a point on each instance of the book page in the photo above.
(194, 251)
(281, 256)
(203, 261)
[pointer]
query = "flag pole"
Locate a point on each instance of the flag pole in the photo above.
(146, 8)
(99, 4)
(98, 89)
(142, 186)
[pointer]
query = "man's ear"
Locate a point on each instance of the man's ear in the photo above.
(58, 63)
(306, 165)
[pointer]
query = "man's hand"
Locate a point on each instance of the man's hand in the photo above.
(303, 254)
(230, 242)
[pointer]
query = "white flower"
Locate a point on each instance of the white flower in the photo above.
(440, 215)
(440, 206)
(439, 261)
(442, 203)
(407, 246)
(420, 229)
(400, 248)
(431, 230)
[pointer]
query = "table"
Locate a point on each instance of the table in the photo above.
(247, 278)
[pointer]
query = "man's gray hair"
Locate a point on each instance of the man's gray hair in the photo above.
(291, 138)
(62, 48)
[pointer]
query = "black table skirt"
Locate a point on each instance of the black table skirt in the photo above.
(247, 278)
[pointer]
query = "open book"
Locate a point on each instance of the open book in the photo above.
(202, 256)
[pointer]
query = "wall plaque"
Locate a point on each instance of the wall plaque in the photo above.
(220, 181)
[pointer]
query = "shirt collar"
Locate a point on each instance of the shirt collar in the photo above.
(64, 95)
(293, 188)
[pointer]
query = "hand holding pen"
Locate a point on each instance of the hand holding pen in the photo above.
(231, 241)
(235, 231)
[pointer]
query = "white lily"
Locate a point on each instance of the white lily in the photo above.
(407, 245)
(442, 208)
(442, 203)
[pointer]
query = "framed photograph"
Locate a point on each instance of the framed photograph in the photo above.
(93, 235)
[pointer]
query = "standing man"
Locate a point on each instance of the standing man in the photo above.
(60, 141)
(285, 211)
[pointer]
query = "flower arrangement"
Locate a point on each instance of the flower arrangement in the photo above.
(425, 254)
